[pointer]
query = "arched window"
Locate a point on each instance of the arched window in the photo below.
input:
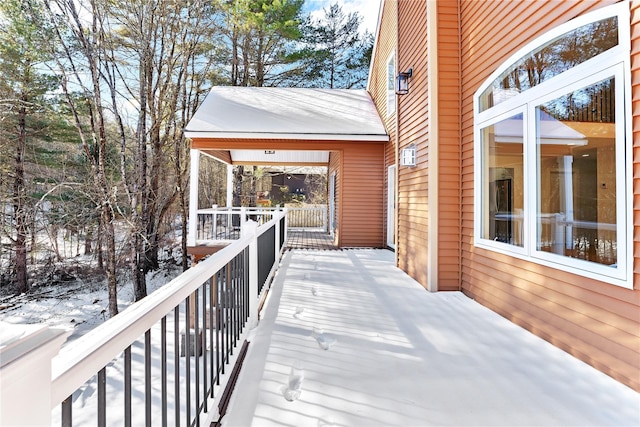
(552, 169)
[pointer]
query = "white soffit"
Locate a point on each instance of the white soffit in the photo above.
(287, 113)
(280, 156)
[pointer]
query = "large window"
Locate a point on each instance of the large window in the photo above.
(552, 172)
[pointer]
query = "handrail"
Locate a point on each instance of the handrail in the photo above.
(81, 360)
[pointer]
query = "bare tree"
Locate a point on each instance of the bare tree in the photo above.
(80, 62)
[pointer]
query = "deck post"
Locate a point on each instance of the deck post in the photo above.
(250, 228)
(276, 215)
(25, 374)
(193, 198)
(229, 186)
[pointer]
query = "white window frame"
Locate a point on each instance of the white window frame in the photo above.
(613, 63)
(391, 90)
(482, 184)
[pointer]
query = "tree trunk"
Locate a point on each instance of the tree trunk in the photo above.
(19, 201)
(112, 282)
(237, 185)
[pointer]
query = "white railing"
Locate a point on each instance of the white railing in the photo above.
(308, 217)
(224, 224)
(171, 353)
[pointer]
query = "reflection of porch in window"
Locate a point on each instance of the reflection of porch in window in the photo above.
(577, 216)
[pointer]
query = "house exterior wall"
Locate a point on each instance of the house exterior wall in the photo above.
(597, 322)
(335, 169)
(385, 47)
(413, 184)
(635, 84)
(359, 170)
(449, 178)
(362, 198)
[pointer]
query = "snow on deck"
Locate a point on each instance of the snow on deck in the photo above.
(347, 339)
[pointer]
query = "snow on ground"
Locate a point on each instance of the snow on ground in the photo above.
(347, 339)
(80, 308)
(77, 306)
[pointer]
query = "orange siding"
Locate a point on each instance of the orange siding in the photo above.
(361, 201)
(635, 83)
(448, 146)
(385, 45)
(334, 167)
(222, 155)
(599, 323)
(413, 197)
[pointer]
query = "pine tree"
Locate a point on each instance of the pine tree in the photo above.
(23, 86)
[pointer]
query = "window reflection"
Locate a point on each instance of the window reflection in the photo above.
(576, 138)
(548, 61)
(503, 192)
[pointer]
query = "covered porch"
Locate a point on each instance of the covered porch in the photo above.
(339, 130)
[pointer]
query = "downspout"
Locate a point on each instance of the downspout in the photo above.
(432, 119)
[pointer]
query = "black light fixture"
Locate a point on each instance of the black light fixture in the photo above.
(402, 82)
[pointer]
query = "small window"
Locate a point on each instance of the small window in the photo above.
(552, 166)
(391, 79)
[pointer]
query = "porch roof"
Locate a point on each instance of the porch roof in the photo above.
(287, 113)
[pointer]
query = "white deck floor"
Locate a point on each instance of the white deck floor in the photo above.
(400, 356)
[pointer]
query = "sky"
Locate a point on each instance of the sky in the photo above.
(368, 9)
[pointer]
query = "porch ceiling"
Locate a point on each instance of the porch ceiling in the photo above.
(283, 125)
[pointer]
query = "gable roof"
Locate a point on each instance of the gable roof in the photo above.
(287, 113)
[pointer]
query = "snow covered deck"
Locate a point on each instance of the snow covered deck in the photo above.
(352, 341)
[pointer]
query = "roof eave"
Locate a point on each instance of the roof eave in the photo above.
(288, 136)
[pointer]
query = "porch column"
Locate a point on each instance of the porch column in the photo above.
(193, 197)
(250, 228)
(229, 186)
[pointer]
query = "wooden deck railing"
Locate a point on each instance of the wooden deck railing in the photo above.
(166, 360)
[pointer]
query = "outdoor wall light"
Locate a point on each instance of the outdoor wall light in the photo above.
(402, 82)
(408, 156)
(269, 151)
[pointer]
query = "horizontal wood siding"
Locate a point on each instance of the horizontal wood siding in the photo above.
(413, 197)
(362, 203)
(334, 167)
(385, 45)
(635, 83)
(597, 322)
(448, 146)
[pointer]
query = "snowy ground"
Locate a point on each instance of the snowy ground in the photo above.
(347, 339)
(81, 308)
(77, 306)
